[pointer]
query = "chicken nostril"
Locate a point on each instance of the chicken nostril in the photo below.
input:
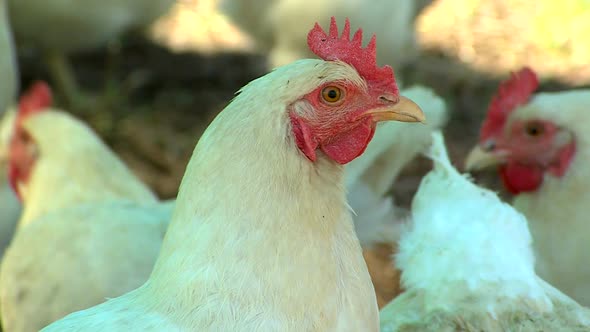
(489, 145)
(388, 99)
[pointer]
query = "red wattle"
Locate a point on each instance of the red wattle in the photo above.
(351, 144)
(519, 178)
(304, 138)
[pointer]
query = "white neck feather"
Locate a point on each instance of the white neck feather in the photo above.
(465, 245)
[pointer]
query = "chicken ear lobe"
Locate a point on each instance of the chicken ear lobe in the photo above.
(304, 138)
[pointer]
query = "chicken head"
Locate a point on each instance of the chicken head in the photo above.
(526, 148)
(339, 117)
(23, 151)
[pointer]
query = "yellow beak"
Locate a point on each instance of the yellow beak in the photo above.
(405, 110)
(479, 159)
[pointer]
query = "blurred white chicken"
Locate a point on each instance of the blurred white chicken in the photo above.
(276, 25)
(369, 177)
(467, 264)
(90, 229)
(10, 208)
(59, 28)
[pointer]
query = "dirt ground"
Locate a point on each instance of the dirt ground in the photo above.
(169, 90)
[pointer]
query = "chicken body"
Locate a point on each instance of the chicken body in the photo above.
(262, 238)
(250, 280)
(543, 149)
(89, 231)
(558, 210)
(276, 25)
(75, 258)
(369, 177)
(467, 264)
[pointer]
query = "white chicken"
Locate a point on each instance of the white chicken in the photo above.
(467, 264)
(59, 28)
(90, 229)
(10, 208)
(539, 143)
(369, 177)
(261, 237)
(275, 25)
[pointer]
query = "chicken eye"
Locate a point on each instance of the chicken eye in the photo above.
(331, 94)
(534, 129)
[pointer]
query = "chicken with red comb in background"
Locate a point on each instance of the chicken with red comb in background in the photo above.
(542, 146)
(262, 238)
(89, 230)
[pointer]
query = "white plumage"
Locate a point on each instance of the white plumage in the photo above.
(90, 229)
(261, 238)
(558, 209)
(368, 178)
(467, 263)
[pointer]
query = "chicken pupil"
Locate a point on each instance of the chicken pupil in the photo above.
(332, 94)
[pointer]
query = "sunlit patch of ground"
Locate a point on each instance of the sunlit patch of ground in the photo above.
(497, 36)
(197, 25)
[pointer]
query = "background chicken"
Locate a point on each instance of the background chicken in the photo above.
(90, 230)
(377, 219)
(226, 264)
(369, 178)
(59, 28)
(467, 264)
(276, 25)
(541, 144)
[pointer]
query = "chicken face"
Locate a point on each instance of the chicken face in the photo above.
(339, 118)
(527, 148)
(526, 151)
(23, 151)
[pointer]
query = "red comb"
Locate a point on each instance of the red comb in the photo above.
(333, 47)
(36, 99)
(513, 92)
